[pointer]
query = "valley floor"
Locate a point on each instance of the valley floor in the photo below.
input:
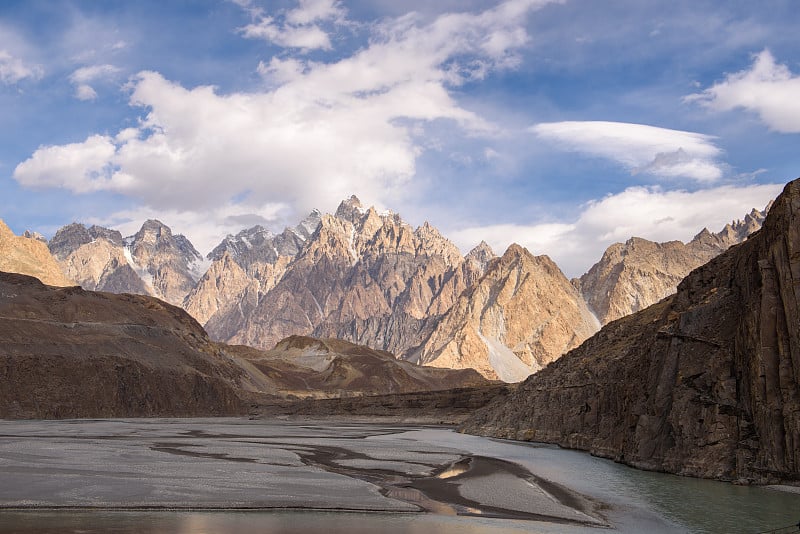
(210, 471)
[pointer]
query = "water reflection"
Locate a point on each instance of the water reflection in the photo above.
(458, 468)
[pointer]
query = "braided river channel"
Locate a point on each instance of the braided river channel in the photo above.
(331, 476)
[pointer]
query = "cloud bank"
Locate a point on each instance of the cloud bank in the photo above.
(319, 133)
(660, 152)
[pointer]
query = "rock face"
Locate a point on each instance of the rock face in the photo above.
(243, 267)
(516, 319)
(28, 255)
(151, 262)
(631, 276)
(362, 276)
(94, 257)
(168, 263)
(704, 383)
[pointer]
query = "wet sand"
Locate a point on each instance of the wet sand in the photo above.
(235, 464)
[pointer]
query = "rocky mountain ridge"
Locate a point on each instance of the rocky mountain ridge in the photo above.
(521, 315)
(362, 276)
(633, 275)
(371, 278)
(151, 262)
(705, 383)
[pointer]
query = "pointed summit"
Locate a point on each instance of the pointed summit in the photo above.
(68, 239)
(350, 209)
(153, 229)
(480, 256)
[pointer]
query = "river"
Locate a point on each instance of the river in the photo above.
(197, 476)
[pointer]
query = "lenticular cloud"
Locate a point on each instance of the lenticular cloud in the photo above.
(640, 148)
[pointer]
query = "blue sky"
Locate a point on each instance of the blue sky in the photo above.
(564, 126)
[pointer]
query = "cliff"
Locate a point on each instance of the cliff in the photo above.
(704, 383)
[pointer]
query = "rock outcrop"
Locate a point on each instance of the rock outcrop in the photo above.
(521, 315)
(632, 276)
(244, 267)
(95, 258)
(151, 262)
(366, 277)
(30, 256)
(704, 383)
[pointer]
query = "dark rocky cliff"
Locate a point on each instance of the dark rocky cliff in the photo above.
(703, 383)
(66, 352)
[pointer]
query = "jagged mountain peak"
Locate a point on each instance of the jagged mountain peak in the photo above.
(516, 252)
(154, 233)
(152, 229)
(67, 239)
(638, 273)
(480, 256)
(258, 244)
(520, 315)
(309, 224)
(238, 244)
(350, 209)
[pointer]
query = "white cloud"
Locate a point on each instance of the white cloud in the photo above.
(80, 167)
(13, 69)
(84, 75)
(85, 92)
(310, 11)
(767, 88)
(306, 37)
(647, 212)
(321, 132)
(298, 29)
(660, 152)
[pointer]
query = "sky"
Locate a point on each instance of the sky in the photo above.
(564, 126)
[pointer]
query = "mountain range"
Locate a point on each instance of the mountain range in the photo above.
(372, 279)
(704, 382)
